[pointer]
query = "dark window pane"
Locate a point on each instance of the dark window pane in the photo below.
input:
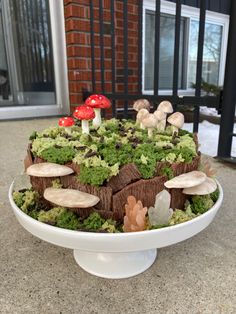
(211, 53)
(167, 37)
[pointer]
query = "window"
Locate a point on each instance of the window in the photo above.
(214, 51)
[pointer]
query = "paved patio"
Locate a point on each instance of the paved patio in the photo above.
(195, 276)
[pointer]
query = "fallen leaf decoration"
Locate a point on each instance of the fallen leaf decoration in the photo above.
(135, 213)
(207, 168)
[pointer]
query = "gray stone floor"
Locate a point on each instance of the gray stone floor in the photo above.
(195, 276)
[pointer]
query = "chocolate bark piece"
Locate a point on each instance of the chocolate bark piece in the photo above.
(103, 192)
(29, 158)
(106, 214)
(181, 167)
(177, 198)
(39, 184)
(73, 166)
(38, 160)
(127, 174)
(143, 190)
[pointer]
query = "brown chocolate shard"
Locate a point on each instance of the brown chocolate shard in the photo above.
(39, 184)
(181, 167)
(29, 158)
(38, 160)
(126, 175)
(106, 214)
(103, 192)
(143, 190)
(177, 198)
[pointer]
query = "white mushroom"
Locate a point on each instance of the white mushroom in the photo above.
(166, 107)
(70, 198)
(161, 117)
(48, 169)
(141, 104)
(176, 120)
(186, 180)
(207, 187)
(140, 116)
(150, 122)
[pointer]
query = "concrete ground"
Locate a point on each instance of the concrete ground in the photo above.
(195, 276)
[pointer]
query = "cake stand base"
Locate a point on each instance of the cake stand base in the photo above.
(115, 265)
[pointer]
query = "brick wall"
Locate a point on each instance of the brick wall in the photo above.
(78, 40)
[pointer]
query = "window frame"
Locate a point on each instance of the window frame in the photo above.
(191, 13)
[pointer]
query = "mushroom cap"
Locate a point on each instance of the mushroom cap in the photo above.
(70, 198)
(142, 114)
(160, 115)
(149, 121)
(186, 180)
(48, 169)
(207, 187)
(98, 101)
(176, 119)
(165, 106)
(84, 113)
(141, 104)
(66, 121)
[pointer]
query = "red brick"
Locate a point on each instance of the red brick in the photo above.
(77, 11)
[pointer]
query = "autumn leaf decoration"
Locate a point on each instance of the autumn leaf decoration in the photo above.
(135, 213)
(207, 168)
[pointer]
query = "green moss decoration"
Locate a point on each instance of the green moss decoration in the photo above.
(93, 222)
(215, 195)
(117, 153)
(167, 171)
(95, 175)
(145, 160)
(26, 200)
(60, 155)
(68, 220)
(201, 203)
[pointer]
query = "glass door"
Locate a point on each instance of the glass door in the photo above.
(5, 91)
(27, 56)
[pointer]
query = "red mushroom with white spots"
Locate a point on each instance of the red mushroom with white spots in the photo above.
(97, 102)
(84, 113)
(67, 123)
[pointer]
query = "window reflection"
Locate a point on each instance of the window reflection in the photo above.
(167, 37)
(187, 53)
(211, 53)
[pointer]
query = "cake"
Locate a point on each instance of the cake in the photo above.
(119, 170)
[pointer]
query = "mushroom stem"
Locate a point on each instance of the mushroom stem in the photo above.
(85, 126)
(150, 131)
(68, 129)
(97, 120)
(161, 125)
(174, 130)
(142, 126)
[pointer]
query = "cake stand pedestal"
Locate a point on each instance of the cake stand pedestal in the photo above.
(115, 265)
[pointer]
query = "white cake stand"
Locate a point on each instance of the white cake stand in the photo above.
(120, 255)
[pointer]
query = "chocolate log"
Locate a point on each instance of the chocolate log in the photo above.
(40, 184)
(143, 190)
(103, 192)
(126, 175)
(181, 167)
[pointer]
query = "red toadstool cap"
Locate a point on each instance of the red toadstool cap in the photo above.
(66, 121)
(84, 113)
(98, 101)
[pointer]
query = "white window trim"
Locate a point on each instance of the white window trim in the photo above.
(192, 13)
(62, 105)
